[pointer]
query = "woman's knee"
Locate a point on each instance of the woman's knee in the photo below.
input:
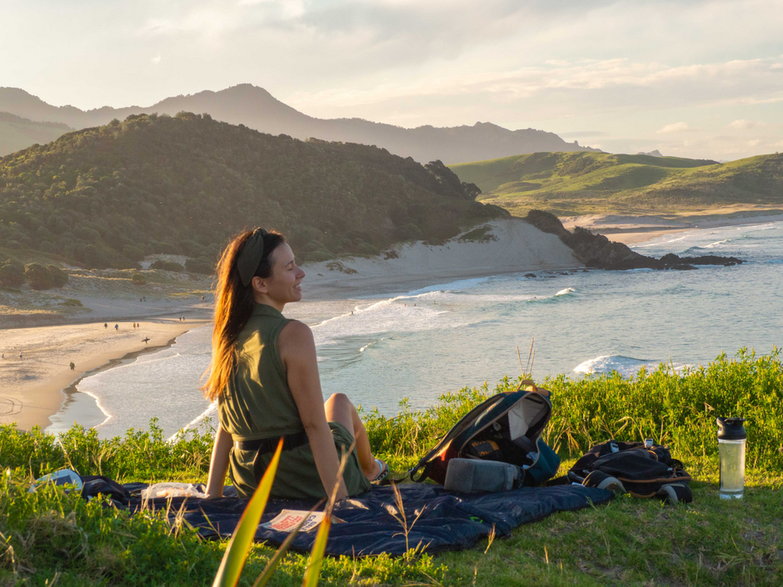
(339, 401)
(339, 408)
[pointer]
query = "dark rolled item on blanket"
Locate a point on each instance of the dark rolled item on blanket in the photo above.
(477, 476)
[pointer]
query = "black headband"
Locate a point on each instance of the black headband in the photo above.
(250, 256)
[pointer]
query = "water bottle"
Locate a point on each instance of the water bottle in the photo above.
(731, 445)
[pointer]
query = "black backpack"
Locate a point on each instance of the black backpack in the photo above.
(506, 428)
(643, 469)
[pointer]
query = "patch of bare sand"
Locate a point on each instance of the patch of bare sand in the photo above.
(636, 229)
(511, 245)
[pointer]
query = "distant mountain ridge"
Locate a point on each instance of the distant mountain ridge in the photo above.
(256, 108)
(18, 133)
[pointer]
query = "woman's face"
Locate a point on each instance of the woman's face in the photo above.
(284, 284)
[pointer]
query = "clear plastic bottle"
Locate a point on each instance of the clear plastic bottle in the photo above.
(731, 446)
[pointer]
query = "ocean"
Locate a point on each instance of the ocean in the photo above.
(416, 345)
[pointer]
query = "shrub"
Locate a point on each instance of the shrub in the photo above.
(58, 277)
(167, 266)
(37, 276)
(48, 277)
(200, 265)
(482, 234)
(11, 275)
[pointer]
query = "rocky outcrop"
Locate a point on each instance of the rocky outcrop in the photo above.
(595, 250)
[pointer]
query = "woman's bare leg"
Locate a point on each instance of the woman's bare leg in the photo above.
(340, 409)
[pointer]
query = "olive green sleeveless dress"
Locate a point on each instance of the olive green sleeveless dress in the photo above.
(258, 404)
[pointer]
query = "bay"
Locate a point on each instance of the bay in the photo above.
(417, 345)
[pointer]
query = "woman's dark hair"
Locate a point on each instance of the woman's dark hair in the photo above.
(234, 304)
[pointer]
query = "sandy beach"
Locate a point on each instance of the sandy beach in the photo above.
(636, 229)
(36, 364)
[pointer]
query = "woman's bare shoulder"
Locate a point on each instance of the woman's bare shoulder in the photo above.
(296, 334)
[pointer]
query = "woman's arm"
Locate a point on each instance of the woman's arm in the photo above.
(297, 351)
(218, 464)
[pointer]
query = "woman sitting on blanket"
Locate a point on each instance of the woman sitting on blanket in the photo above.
(264, 376)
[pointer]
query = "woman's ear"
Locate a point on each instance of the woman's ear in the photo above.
(259, 284)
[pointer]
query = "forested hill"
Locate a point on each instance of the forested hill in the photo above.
(110, 195)
(581, 183)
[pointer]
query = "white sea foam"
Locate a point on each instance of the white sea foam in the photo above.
(625, 366)
(716, 244)
(406, 313)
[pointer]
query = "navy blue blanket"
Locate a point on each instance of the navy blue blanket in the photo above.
(437, 519)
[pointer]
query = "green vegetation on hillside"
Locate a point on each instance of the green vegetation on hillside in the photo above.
(599, 183)
(49, 536)
(108, 196)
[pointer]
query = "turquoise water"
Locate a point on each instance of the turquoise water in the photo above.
(422, 343)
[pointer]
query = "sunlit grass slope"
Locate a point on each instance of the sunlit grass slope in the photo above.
(600, 183)
(50, 537)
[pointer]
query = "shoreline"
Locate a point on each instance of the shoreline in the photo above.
(69, 392)
(632, 230)
(33, 389)
(33, 385)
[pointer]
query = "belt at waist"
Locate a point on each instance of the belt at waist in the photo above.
(265, 445)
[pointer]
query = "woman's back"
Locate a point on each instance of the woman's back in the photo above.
(257, 402)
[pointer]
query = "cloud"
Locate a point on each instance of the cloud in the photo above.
(675, 127)
(609, 65)
(741, 124)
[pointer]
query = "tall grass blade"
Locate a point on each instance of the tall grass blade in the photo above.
(266, 574)
(316, 559)
(236, 553)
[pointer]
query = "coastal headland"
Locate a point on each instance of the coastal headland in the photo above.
(44, 353)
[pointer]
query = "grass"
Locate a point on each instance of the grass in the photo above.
(569, 184)
(52, 537)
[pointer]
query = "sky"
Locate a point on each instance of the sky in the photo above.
(691, 78)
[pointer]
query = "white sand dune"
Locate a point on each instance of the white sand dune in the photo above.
(514, 245)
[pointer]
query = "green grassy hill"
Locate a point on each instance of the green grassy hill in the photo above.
(599, 183)
(108, 196)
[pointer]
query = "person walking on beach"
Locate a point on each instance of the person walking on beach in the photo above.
(264, 376)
